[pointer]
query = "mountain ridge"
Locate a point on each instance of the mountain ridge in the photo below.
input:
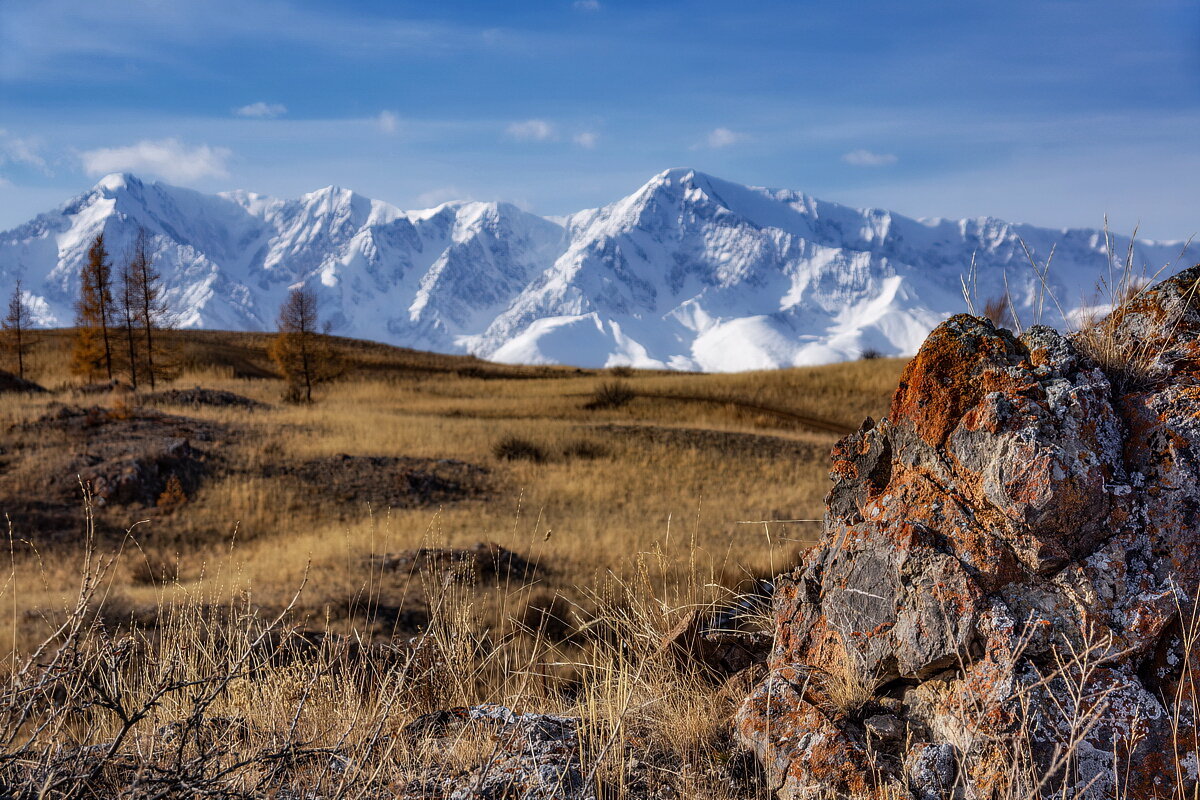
(690, 271)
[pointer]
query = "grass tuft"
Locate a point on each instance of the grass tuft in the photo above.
(610, 394)
(511, 447)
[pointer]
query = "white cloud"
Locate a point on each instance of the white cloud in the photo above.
(723, 137)
(867, 158)
(262, 110)
(167, 158)
(587, 5)
(388, 121)
(587, 139)
(15, 150)
(533, 130)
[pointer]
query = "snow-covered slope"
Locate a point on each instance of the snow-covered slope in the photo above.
(689, 272)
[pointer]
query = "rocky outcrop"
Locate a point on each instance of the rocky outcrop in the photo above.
(1000, 600)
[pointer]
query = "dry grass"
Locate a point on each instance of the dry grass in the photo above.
(631, 517)
(656, 474)
(245, 644)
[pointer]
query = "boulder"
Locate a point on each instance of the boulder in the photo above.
(994, 605)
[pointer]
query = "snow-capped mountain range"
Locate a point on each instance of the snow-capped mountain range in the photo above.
(689, 272)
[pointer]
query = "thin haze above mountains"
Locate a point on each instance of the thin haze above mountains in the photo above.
(688, 272)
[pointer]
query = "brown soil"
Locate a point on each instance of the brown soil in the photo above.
(386, 481)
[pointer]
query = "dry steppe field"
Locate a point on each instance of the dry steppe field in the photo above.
(593, 498)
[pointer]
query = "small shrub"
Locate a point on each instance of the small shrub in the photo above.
(621, 371)
(610, 394)
(516, 448)
(846, 687)
(585, 449)
(172, 495)
(870, 354)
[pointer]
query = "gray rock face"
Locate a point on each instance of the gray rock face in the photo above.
(1004, 560)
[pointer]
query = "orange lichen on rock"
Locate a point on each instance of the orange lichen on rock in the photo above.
(1020, 502)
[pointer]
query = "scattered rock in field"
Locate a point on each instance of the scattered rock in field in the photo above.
(1013, 508)
(482, 561)
(198, 396)
(521, 756)
(11, 383)
(126, 456)
(144, 476)
(386, 481)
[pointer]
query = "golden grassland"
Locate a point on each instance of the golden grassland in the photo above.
(246, 644)
(632, 515)
(679, 472)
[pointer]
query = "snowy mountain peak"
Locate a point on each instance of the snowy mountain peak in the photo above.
(690, 271)
(115, 182)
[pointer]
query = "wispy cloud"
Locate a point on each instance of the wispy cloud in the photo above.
(869, 158)
(388, 121)
(262, 110)
(18, 150)
(167, 158)
(587, 5)
(587, 139)
(720, 137)
(532, 130)
(92, 39)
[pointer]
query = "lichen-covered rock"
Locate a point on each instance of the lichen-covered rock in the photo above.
(523, 757)
(1001, 572)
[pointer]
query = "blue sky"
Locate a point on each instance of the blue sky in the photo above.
(1055, 113)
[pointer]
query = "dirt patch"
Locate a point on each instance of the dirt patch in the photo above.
(124, 457)
(735, 444)
(197, 396)
(386, 481)
(11, 383)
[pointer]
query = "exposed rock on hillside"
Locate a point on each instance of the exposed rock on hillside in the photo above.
(125, 456)
(997, 591)
(12, 383)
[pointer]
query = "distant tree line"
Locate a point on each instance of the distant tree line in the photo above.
(116, 318)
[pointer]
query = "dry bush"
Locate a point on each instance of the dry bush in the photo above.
(1129, 361)
(173, 495)
(511, 447)
(610, 394)
(846, 687)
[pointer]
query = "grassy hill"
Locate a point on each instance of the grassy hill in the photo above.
(522, 535)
